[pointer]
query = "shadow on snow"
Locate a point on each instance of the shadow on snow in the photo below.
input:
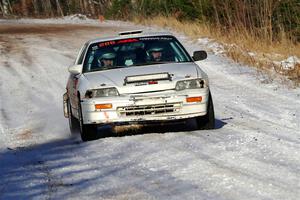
(107, 168)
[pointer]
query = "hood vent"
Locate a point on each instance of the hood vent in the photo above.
(147, 77)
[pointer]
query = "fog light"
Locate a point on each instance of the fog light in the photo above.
(193, 99)
(103, 106)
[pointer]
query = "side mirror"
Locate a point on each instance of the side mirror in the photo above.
(75, 69)
(199, 55)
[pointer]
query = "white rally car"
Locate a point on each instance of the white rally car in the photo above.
(136, 77)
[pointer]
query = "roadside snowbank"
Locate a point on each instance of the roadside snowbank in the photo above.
(71, 19)
(283, 66)
(290, 63)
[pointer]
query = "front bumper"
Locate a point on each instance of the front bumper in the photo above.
(158, 106)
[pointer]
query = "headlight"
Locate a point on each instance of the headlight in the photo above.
(105, 92)
(190, 84)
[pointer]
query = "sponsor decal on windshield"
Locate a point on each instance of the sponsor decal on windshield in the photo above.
(113, 42)
(131, 40)
(156, 38)
(108, 43)
(127, 41)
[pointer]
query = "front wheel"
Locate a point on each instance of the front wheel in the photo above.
(73, 122)
(207, 121)
(87, 131)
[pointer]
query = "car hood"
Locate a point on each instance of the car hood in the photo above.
(116, 77)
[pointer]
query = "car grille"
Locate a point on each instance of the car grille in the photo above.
(142, 110)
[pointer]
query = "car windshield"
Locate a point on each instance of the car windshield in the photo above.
(134, 52)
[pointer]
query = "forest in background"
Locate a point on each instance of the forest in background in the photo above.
(53, 8)
(260, 33)
(268, 19)
(272, 20)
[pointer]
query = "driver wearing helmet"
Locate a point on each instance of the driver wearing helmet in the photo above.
(107, 60)
(156, 53)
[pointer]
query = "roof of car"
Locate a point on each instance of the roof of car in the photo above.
(130, 34)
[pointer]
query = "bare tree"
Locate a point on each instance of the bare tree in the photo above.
(58, 8)
(47, 7)
(24, 7)
(92, 8)
(5, 7)
(36, 7)
(216, 13)
(228, 12)
(1, 8)
(81, 6)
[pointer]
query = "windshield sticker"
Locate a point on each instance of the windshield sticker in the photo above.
(156, 38)
(109, 43)
(127, 41)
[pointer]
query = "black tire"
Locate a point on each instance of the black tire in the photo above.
(207, 121)
(87, 131)
(73, 122)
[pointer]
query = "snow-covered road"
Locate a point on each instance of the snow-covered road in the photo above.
(254, 153)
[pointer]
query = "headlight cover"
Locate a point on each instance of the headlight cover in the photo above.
(190, 84)
(104, 92)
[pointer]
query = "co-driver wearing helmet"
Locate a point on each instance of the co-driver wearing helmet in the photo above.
(107, 60)
(156, 54)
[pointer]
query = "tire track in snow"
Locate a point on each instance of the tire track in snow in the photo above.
(236, 161)
(246, 98)
(18, 79)
(220, 74)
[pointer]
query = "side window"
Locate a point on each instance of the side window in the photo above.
(80, 59)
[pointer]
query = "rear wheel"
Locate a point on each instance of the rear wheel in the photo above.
(73, 122)
(207, 121)
(87, 131)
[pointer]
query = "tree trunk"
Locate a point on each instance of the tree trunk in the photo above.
(216, 13)
(5, 7)
(24, 8)
(85, 6)
(100, 8)
(36, 7)
(47, 7)
(81, 6)
(228, 13)
(92, 8)
(1, 9)
(58, 8)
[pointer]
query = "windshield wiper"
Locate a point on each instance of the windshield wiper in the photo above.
(154, 63)
(105, 68)
(111, 67)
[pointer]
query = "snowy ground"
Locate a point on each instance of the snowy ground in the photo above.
(253, 154)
